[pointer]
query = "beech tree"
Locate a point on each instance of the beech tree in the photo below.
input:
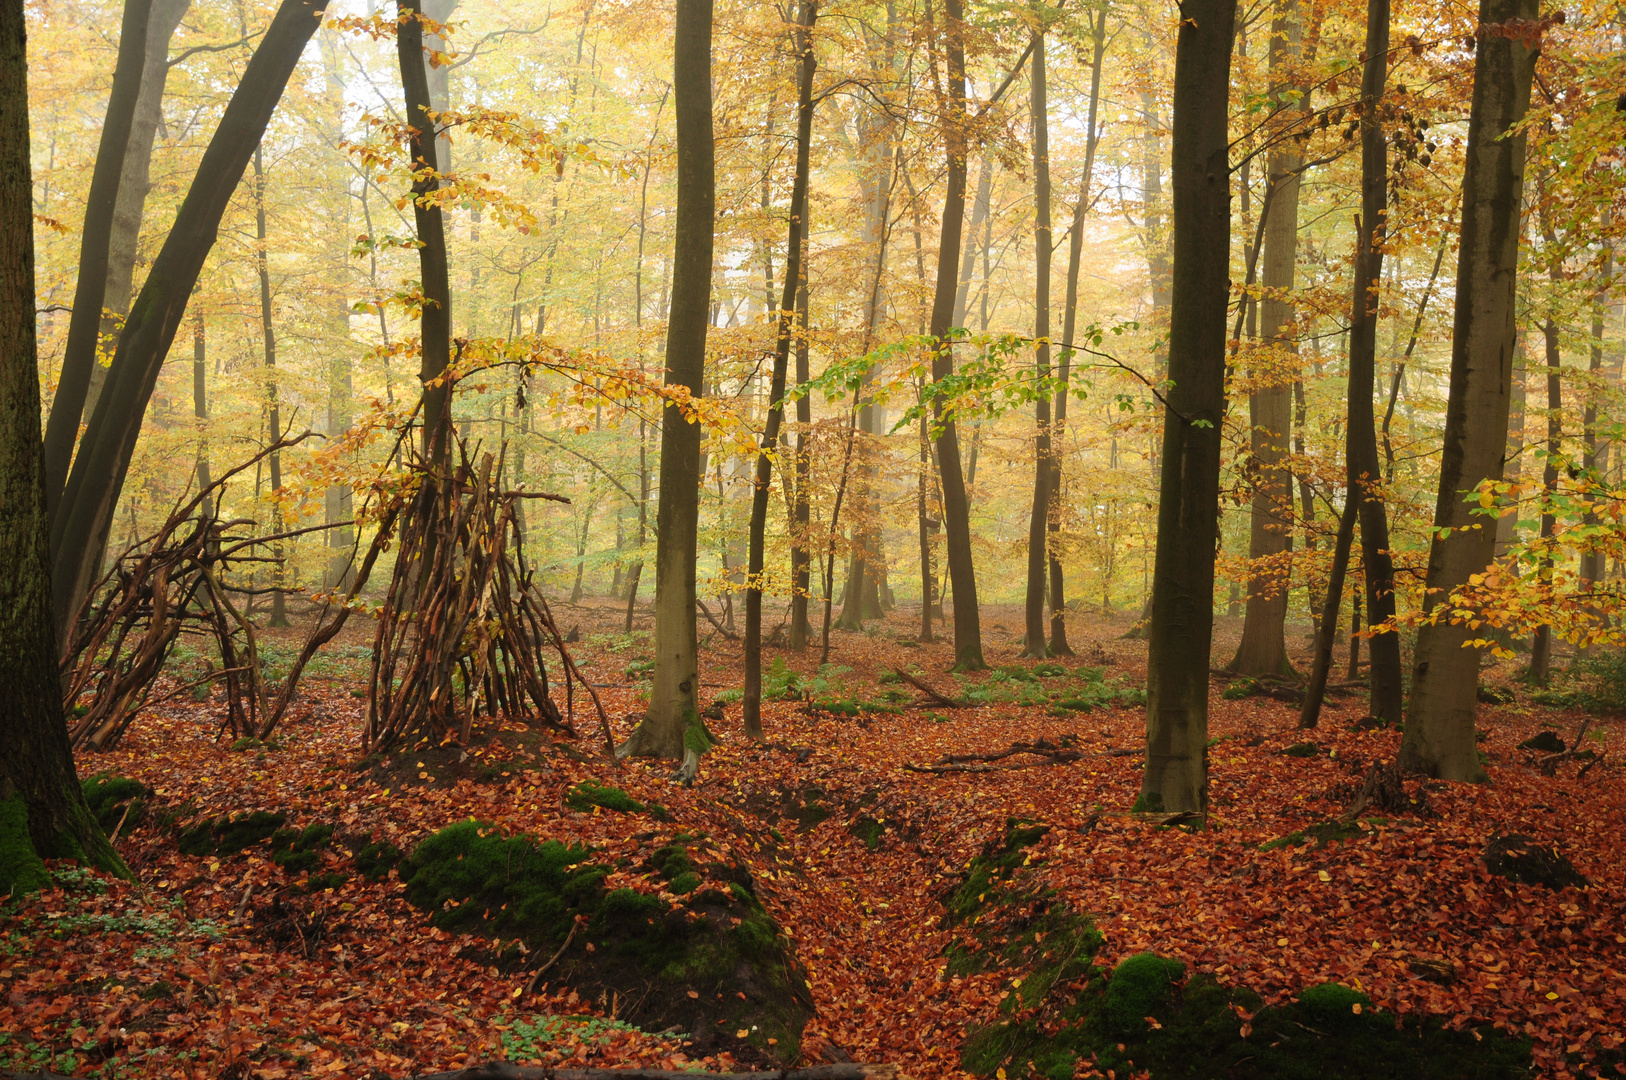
(1182, 623)
(1439, 735)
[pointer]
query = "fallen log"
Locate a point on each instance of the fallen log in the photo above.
(1051, 753)
(933, 698)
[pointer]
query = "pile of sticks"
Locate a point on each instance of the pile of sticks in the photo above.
(463, 628)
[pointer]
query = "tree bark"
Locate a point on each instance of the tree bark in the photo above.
(1541, 648)
(39, 789)
(80, 525)
(752, 701)
(1176, 775)
(956, 507)
(1439, 736)
(674, 698)
(273, 424)
(1360, 442)
(134, 183)
(1069, 326)
(1044, 466)
(1263, 648)
(436, 314)
(84, 324)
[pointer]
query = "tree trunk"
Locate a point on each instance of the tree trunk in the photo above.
(1439, 736)
(79, 527)
(273, 425)
(1541, 649)
(1361, 441)
(674, 698)
(134, 183)
(801, 561)
(980, 204)
(1045, 464)
(1327, 624)
(200, 407)
(1075, 254)
(338, 501)
(1595, 452)
(1263, 648)
(1176, 776)
(84, 323)
(42, 807)
(956, 507)
(436, 315)
(752, 702)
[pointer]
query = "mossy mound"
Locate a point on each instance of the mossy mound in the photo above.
(1303, 749)
(1546, 742)
(227, 835)
(297, 850)
(376, 859)
(1146, 1017)
(692, 947)
(109, 797)
(1519, 858)
(588, 794)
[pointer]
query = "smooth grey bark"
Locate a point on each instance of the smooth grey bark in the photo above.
(1439, 735)
(37, 772)
(674, 697)
(1045, 464)
(80, 525)
(135, 182)
(200, 407)
(755, 558)
(979, 216)
(338, 501)
(84, 323)
(1176, 774)
(1263, 647)
(273, 407)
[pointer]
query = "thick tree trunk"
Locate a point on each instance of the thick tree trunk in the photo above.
(674, 698)
(436, 315)
(752, 702)
(134, 183)
(84, 323)
(1361, 444)
(1044, 465)
(1263, 648)
(956, 506)
(42, 808)
(1439, 736)
(1176, 776)
(80, 525)
(1075, 254)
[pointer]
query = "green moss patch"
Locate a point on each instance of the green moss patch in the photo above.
(109, 797)
(690, 946)
(297, 850)
(227, 835)
(1328, 832)
(376, 859)
(21, 870)
(587, 794)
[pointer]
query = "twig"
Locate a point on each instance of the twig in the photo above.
(530, 987)
(932, 696)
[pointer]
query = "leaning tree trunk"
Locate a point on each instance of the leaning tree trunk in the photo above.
(42, 807)
(1176, 776)
(1263, 648)
(752, 702)
(1361, 440)
(80, 523)
(84, 323)
(1044, 465)
(1439, 736)
(674, 698)
(956, 506)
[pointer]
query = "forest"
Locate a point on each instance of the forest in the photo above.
(812, 540)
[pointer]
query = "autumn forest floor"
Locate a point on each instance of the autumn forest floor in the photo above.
(189, 972)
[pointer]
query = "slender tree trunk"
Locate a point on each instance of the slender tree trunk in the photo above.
(273, 426)
(1541, 649)
(752, 702)
(956, 507)
(436, 315)
(39, 789)
(801, 562)
(79, 527)
(1327, 625)
(1439, 736)
(84, 324)
(1044, 467)
(1075, 254)
(134, 183)
(1176, 775)
(1263, 648)
(1595, 452)
(200, 407)
(338, 499)
(980, 204)
(674, 698)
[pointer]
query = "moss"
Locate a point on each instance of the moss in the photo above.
(1328, 832)
(697, 738)
(1141, 986)
(1150, 802)
(227, 835)
(377, 859)
(1300, 750)
(868, 829)
(21, 870)
(587, 794)
(109, 796)
(1239, 689)
(296, 850)
(712, 960)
